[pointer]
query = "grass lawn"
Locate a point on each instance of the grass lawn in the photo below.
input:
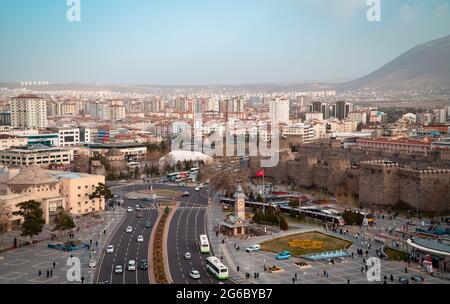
(305, 243)
(394, 255)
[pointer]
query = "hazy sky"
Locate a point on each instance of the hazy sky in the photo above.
(209, 41)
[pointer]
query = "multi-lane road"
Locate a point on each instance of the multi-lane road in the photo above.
(187, 224)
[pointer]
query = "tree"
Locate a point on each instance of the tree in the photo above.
(63, 221)
(101, 191)
(33, 218)
(283, 223)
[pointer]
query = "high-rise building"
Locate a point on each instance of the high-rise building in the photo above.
(343, 108)
(28, 112)
(440, 115)
(279, 110)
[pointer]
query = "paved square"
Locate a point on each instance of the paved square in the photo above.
(16, 262)
(13, 276)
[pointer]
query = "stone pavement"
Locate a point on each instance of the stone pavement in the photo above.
(22, 265)
(343, 269)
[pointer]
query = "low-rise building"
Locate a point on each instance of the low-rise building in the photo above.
(11, 141)
(36, 155)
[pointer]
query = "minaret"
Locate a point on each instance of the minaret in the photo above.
(239, 203)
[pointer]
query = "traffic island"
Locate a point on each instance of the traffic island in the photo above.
(161, 273)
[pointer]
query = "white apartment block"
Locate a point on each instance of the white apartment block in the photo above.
(279, 110)
(36, 155)
(28, 112)
(116, 112)
(74, 136)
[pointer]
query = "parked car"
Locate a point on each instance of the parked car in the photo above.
(417, 278)
(110, 249)
(129, 209)
(253, 248)
(284, 255)
(131, 265)
(187, 255)
(197, 189)
(143, 265)
(403, 280)
(129, 229)
(118, 269)
(194, 274)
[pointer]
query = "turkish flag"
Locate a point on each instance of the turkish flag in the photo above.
(260, 173)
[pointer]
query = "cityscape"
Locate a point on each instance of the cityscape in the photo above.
(210, 156)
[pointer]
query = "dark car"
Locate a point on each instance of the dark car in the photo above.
(417, 278)
(403, 280)
(148, 225)
(143, 265)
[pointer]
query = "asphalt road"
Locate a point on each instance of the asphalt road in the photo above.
(188, 223)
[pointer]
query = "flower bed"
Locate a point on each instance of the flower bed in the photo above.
(275, 269)
(302, 265)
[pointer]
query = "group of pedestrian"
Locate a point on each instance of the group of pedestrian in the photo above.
(49, 271)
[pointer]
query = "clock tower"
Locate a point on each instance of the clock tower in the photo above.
(239, 203)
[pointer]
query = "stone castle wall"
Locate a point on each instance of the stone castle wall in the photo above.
(372, 182)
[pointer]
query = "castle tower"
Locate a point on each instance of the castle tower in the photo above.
(239, 203)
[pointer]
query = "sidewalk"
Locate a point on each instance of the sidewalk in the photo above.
(21, 265)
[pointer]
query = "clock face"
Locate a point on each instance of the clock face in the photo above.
(241, 203)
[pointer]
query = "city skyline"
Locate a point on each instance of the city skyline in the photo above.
(205, 43)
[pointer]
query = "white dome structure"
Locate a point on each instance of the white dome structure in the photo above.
(181, 155)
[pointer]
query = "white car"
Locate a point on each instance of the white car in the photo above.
(129, 229)
(140, 239)
(118, 269)
(194, 274)
(133, 198)
(253, 248)
(92, 263)
(197, 189)
(129, 209)
(187, 255)
(110, 249)
(131, 265)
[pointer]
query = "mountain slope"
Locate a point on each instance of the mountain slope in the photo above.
(425, 67)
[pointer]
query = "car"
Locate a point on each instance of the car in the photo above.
(92, 263)
(110, 249)
(133, 198)
(182, 184)
(197, 189)
(253, 248)
(185, 194)
(194, 274)
(200, 186)
(148, 225)
(417, 278)
(118, 269)
(129, 209)
(284, 255)
(131, 265)
(138, 208)
(187, 255)
(403, 280)
(140, 239)
(129, 229)
(143, 265)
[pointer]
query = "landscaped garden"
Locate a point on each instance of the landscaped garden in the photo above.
(394, 255)
(305, 243)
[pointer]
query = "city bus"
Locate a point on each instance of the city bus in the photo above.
(219, 270)
(204, 244)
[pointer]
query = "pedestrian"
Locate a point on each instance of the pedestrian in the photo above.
(237, 268)
(48, 273)
(362, 269)
(39, 273)
(293, 280)
(348, 281)
(54, 265)
(406, 270)
(324, 273)
(295, 276)
(82, 280)
(51, 272)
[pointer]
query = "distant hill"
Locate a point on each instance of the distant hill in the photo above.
(425, 67)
